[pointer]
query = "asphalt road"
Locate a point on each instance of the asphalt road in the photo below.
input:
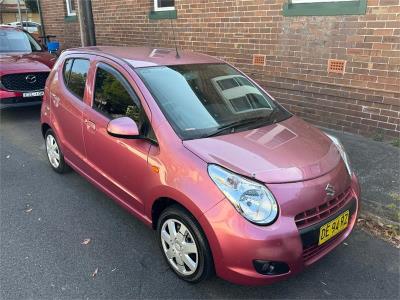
(45, 216)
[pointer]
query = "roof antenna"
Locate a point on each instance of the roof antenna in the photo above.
(176, 47)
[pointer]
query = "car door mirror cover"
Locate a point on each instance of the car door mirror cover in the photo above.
(123, 127)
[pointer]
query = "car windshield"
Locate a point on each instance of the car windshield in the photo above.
(203, 100)
(17, 41)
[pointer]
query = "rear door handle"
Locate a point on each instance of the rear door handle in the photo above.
(90, 125)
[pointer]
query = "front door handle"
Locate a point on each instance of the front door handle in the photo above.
(90, 125)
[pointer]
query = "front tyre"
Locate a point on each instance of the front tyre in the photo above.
(184, 245)
(54, 154)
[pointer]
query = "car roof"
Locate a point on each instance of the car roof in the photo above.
(32, 22)
(10, 27)
(149, 56)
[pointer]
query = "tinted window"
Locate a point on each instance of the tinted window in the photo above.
(76, 79)
(17, 41)
(113, 97)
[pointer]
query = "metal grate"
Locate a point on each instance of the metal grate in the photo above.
(336, 66)
(259, 60)
(24, 82)
(323, 211)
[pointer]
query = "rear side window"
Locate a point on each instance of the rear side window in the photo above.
(75, 73)
(113, 96)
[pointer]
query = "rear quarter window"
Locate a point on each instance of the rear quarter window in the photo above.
(75, 74)
(67, 70)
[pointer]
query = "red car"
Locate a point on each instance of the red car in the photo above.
(231, 181)
(24, 68)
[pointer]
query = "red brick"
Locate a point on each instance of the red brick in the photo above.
(389, 2)
(394, 101)
(372, 3)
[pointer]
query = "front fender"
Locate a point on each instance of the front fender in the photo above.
(185, 180)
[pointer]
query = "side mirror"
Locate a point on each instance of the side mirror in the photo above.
(123, 127)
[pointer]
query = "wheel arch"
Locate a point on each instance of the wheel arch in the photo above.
(44, 128)
(162, 203)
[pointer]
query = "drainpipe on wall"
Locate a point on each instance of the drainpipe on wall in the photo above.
(1, 11)
(19, 13)
(43, 32)
(86, 23)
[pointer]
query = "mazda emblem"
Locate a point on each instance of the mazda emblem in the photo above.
(330, 190)
(30, 78)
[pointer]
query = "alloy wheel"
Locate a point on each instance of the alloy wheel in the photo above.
(179, 247)
(53, 152)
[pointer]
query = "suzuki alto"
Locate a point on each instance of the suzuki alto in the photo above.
(231, 181)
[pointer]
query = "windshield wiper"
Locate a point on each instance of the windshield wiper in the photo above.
(233, 126)
(272, 116)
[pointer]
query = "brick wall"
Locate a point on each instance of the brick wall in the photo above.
(364, 100)
(56, 23)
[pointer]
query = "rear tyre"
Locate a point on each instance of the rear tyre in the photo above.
(184, 245)
(54, 154)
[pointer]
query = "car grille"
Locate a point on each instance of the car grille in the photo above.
(314, 250)
(323, 211)
(24, 82)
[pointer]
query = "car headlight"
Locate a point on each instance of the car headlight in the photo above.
(251, 199)
(342, 152)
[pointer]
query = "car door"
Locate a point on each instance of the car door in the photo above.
(117, 164)
(67, 106)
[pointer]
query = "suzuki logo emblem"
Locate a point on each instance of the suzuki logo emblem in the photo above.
(330, 190)
(30, 78)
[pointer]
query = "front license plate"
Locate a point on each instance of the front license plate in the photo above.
(33, 94)
(329, 230)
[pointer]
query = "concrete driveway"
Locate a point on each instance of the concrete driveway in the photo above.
(45, 216)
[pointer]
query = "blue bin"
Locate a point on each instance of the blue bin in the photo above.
(53, 46)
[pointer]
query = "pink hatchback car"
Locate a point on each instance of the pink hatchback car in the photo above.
(231, 181)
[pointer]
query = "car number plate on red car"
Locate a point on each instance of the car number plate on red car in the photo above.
(33, 94)
(334, 227)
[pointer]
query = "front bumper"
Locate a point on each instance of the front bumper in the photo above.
(16, 99)
(236, 243)
(20, 102)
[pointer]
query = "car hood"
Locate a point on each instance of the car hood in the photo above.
(288, 151)
(26, 62)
